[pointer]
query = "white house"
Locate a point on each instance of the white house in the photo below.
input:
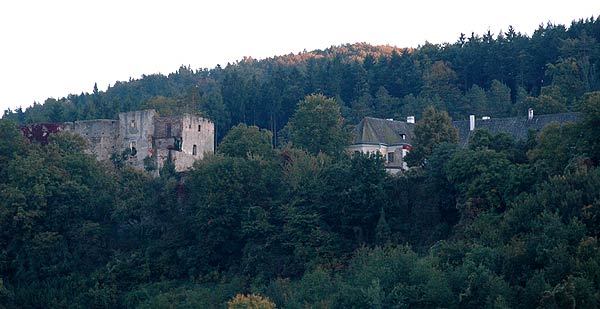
(391, 139)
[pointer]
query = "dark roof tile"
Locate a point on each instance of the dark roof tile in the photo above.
(382, 131)
(517, 127)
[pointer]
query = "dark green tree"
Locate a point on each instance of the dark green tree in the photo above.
(568, 77)
(434, 128)
(481, 179)
(478, 102)
(590, 127)
(166, 107)
(440, 85)
(318, 126)
(553, 150)
(243, 141)
(231, 200)
(498, 99)
(383, 233)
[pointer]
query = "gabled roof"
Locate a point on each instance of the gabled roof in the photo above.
(382, 131)
(517, 127)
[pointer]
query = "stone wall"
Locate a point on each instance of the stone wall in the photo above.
(165, 127)
(198, 139)
(136, 130)
(167, 139)
(139, 137)
(102, 136)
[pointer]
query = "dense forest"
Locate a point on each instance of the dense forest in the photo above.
(501, 223)
(496, 75)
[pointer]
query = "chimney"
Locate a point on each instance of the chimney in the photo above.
(410, 119)
(530, 114)
(471, 122)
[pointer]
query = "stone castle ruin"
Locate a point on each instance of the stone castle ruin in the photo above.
(141, 139)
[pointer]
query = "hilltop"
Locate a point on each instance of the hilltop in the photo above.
(494, 74)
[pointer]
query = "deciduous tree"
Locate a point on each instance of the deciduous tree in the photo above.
(243, 140)
(318, 126)
(434, 128)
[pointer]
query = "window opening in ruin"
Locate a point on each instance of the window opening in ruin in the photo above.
(403, 136)
(177, 143)
(194, 150)
(168, 130)
(132, 124)
(391, 157)
(132, 149)
(199, 127)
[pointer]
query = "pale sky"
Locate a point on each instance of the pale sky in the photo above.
(54, 48)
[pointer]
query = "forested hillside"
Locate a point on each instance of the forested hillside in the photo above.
(494, 74)
(502, 223)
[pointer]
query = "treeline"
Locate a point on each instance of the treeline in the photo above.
(502, 223)
(494, 74)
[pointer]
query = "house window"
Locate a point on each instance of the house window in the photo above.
(390, 157)
(199, 127)
(194, 150)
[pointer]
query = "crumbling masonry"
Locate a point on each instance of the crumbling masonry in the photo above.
(139, 138)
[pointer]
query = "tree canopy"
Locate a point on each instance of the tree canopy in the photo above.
(433, 129)
(499, 223)
(318, 126)
(490, 74)
(243, 140)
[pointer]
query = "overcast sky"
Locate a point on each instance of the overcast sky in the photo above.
(53, 48)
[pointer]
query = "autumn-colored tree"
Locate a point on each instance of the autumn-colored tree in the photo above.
(440, 82)
(251, 301)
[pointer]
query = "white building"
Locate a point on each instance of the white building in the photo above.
(387, 137)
